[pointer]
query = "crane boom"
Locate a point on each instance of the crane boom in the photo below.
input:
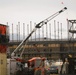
(39, 25)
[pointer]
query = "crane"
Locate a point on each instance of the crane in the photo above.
(39, 25)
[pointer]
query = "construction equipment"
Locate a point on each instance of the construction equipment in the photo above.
(35, 61)
(24, 42)
(39, 25)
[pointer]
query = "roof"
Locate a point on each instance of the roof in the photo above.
(34, 58)
(3, 25)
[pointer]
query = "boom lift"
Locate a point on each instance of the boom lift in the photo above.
(39, 25)
(24, 42)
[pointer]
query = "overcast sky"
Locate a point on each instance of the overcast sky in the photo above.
(13, 11)
(34, 10)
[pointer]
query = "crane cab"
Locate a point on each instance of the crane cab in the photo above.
(36, 62)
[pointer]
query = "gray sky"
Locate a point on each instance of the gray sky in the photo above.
(34, 10)
(13, 11)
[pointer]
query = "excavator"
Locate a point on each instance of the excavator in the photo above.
(35, 61)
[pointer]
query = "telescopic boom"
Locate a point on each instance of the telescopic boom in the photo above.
(39, 25)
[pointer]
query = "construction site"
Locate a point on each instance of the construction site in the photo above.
(53, 46)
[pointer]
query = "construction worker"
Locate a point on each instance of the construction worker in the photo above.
(65, 66)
